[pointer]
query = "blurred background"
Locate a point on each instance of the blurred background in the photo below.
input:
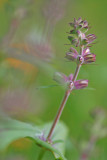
(32, 48)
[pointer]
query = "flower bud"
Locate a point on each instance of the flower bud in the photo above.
(60, 78)
(86, 51)
(80, 84)
(79, 20)
(89, 58)
(81, 35)
(76, 42)
(73, 50)
(72, 55)
(90, 38)
(85, 24)
(79, 24)
(63, 79)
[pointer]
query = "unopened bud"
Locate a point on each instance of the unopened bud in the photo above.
(80, 84)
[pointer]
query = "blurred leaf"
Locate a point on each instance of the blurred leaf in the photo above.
(11, 130)
(49, 86)
(44, 66)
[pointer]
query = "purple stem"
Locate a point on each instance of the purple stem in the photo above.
(67, 93)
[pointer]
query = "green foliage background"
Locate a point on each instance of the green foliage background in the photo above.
(40, 105)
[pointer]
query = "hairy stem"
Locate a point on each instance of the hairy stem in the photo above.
(67, 93)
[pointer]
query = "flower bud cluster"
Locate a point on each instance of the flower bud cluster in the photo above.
(77, 35)
(84, 58)
(78, 38)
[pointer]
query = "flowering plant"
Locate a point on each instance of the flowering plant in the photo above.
(80, 39)
(50, 139)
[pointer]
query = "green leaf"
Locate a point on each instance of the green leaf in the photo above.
(58, 138)
(84, 30)
(73, 32)
(84, 42)
(11, 130)
(70, 38)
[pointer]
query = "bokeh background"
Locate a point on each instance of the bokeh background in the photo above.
(32, 47)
